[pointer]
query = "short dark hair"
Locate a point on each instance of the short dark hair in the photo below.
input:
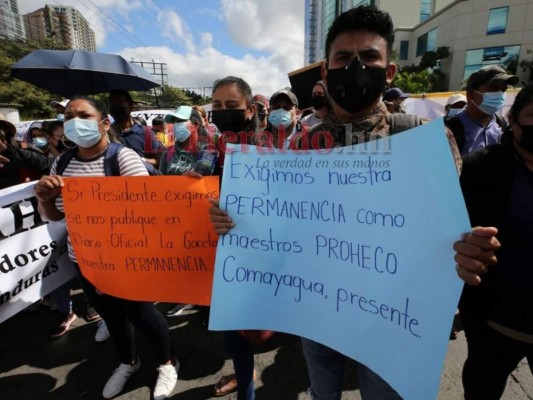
(100, 106)
(241, 84)
(52, 126)
(158, 121)
(362, 18)
(123, 93)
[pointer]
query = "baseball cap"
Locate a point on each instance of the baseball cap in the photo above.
(62, 103)
(182, 113)
(455, 98)
(260, 99)
(395, 93)
(285, 92)
(491, 75)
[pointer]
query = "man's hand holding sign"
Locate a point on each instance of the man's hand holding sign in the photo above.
(351, 260)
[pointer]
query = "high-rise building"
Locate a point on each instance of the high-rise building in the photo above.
(11, 26)
(62, 24)
(477, 32)
(319, 15)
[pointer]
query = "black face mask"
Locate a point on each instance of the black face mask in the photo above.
(526, 141)
(60, 146)
(229, 120)
(356, 86)
(318, 102)
(119, 113)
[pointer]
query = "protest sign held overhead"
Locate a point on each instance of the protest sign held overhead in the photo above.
(144, 238)
(350, 247)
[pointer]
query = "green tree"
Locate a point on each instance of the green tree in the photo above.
(34, 101)
(170, 97)
(425, 77)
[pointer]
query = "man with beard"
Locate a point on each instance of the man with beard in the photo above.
(131, 133)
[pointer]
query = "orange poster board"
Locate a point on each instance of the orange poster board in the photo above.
(144, 238)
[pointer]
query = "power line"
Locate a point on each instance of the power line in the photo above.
(188, 77)
(98, 29)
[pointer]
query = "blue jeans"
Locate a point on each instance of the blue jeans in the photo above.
(243, 363)
(326, 372)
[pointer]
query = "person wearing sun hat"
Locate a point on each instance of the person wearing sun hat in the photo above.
(182, 159)
(185, 157)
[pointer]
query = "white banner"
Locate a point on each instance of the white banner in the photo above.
(33, 252)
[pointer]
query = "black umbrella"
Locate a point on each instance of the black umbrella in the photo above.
(71, 72)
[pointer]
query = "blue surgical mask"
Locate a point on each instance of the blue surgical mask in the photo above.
(454, 111)
(83, 132)
(60, 117)
(280, 118)
(492, 102)
(181, 133)
(40, 143)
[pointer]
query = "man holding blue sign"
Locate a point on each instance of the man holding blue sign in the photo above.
(358, 50)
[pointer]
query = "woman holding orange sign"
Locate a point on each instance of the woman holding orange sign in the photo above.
(87, 125)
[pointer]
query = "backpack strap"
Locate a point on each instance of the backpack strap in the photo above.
(458, 130)
(111, 165)
(502, 122)
(401, 122)
(64, 160)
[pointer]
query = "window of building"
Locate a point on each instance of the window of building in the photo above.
(426, 42)
(348, 4)
(432, 40)
(497, 20)
(506, 57)
(421, 44)
(404, 50)
(425, 9)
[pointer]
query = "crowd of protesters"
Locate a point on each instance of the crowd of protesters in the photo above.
(495, 174)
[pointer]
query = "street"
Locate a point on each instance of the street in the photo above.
(33, 367)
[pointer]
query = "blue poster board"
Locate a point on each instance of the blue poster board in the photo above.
(351, 248)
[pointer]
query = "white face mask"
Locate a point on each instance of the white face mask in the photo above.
(83, 132)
